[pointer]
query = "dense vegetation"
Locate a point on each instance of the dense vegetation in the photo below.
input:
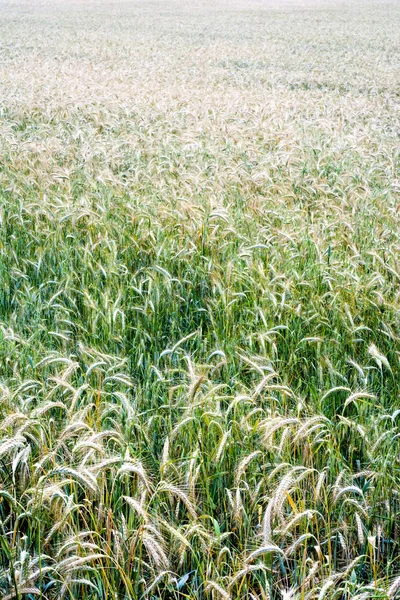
(199, 300)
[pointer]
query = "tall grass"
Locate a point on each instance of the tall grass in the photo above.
(199, 300)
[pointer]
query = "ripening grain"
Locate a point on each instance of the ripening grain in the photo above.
(199, 299)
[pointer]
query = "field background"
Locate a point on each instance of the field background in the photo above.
(199, 299)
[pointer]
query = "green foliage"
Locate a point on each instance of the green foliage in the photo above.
(199, 301)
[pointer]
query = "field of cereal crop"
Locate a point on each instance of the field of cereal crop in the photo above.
(199, 299)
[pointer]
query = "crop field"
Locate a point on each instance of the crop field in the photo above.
(199, 299)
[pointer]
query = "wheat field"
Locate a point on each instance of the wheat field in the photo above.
(199, 299)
